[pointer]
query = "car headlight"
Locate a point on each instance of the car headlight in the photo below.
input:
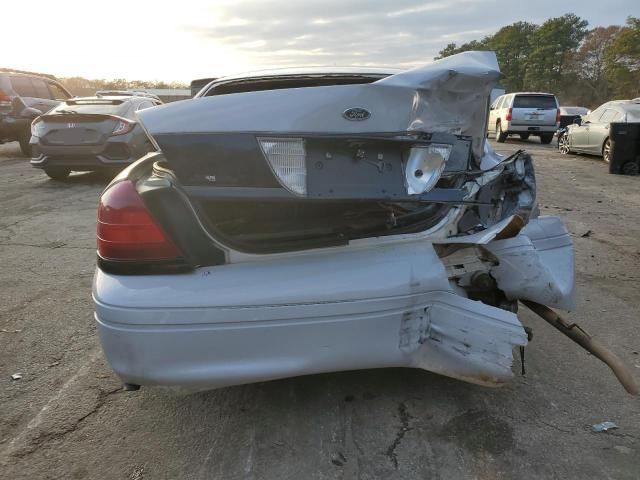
(424, 167)
(287, 159)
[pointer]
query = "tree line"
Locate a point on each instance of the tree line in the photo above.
(582, 66)
(84, 86)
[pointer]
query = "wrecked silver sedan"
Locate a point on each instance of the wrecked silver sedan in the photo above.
(299, 222)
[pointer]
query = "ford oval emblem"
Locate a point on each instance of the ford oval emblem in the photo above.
(356, 114)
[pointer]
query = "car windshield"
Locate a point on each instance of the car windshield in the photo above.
(96, 108)
(534, 101)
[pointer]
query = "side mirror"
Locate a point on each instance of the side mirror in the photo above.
(577, 120)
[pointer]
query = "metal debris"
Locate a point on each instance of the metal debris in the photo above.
(604, 426)
(4, 330)
(16, 376)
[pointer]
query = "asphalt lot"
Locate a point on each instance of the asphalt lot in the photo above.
(68, 419)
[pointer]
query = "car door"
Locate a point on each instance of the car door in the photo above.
(579, 134)
(24, 88)
(493, 112)
(599, 131)
(45, 100)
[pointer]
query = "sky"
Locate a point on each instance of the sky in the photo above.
(187, 39)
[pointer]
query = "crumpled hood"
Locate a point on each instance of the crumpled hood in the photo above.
(449, 95)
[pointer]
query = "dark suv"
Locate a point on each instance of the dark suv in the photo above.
(23, 97)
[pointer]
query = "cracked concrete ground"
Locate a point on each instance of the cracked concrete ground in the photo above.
(68, 419)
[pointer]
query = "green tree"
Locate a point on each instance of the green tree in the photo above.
(512, 45)
(622, 59)
(452, 48)
(552, 45)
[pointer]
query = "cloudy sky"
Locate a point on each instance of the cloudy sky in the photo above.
(186, 39)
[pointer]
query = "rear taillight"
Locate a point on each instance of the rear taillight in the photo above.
(4, 99)
(126, 230)
(287, 159)
(123, 126)
(558, 115)
(509, 114)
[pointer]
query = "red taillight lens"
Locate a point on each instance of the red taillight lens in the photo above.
(123, 126)
(509, 114)
(126, 230)
(558, 116)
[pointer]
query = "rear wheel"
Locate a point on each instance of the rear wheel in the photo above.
(563, 145)
(57, 173)
(23, 139)
(500, 135)
(546, 138)
(524, 136)
(606, 151)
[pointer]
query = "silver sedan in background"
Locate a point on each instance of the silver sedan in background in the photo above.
(590, 133)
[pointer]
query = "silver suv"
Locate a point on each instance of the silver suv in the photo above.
(525, 114)
(24, 97)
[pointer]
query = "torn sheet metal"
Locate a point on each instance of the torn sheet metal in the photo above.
(466, 340)
(537, 264)
(448, 95)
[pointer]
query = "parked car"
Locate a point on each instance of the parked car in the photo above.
(524, 114)
(90, 133)
(126, 93)
(569, 114)
(590, 133)
(318, 220)
(23, 97)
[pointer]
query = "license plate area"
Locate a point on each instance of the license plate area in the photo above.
(72, 136)
(369, 167)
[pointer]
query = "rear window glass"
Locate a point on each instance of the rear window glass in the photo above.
(277, 83)
(94, 108)
(534, 101)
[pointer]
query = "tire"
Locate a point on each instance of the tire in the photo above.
(546, 138)
(606, 150)
(23, 139)
(500, 135)
(524, 136)
(57, 173)
(563, 145)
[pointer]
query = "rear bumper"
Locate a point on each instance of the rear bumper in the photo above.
(388, 306)
(532, 129)
(90, 157)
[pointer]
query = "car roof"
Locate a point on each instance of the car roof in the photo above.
(122, 98)
(319, 71)
(29, 75)
(635, 101)
(532, 93)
